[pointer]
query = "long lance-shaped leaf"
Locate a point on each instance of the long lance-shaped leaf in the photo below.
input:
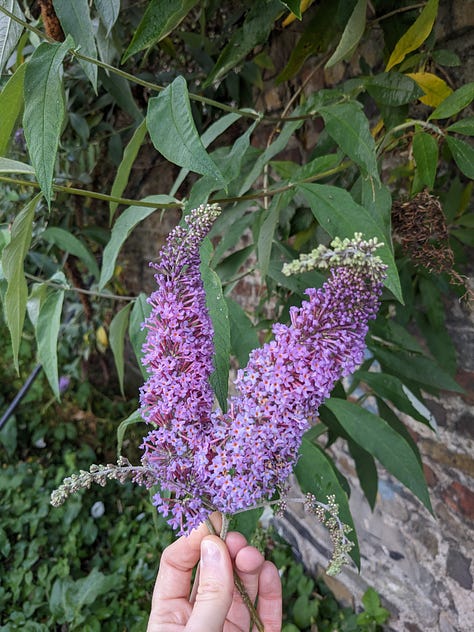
(109, 11)
(160, 18)
(124, 168)
(174, 134)
(140, 311)
(11, 104)
(352, 34)
(124, 225)
(257, 25)
(47, 331)
(44, 110)
(70, 243)
(13, 256)
(118, 327)
(10, 31)
(376, 436)
(76, 20)
(218, 312)
(15, 166)
(416, 34)
(349, 127)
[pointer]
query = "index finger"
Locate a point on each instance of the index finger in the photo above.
(176, 565)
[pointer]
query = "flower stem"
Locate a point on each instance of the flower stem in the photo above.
(254, 618)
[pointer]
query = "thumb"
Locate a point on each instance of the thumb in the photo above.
(215, 589)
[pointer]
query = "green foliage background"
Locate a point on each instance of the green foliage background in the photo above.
(84, 92)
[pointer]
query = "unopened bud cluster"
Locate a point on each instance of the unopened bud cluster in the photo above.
(122, 472)
(355, 253)
(328, 515)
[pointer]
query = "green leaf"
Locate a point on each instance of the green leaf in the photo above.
(13, 256)
(351, 35)
(159, 20)
(218, 313)
(44, 110)
(463, 155)
(445, 57)
(464, 235)
(140, 311)
(294, 6)
(267, 231)
(414, 367)
(11, 104)
(246, 522)
(318, 35)
(212, 132)
(230, 165)
(68, 242)
(243, 335)
(416, 34)
(425, 153)
(10, 31)
(255, 30)
(464, 126)
(391, 388)
(76, 20)
(119, 89)
(316, 166)
(118, 327)
(340, 216)
(173, 132)
(349, 127)
(455, 102)
(134, 418)
(275, 148)
(316, 475)
(376, 198)
(125, 166)
(393, 88)
(14, 166)
(37, 296)
(88, 589)
(377, 437)
(109, 11)
(124, 225)
(366, 472)
(47, 331)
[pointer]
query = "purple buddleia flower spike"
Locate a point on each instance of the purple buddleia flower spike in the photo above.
(177, 397)
(285, 381)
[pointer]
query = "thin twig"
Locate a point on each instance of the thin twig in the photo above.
(67, 288)
(93, 194)
(412, 7)
(229, 200)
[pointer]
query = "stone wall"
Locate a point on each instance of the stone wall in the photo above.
(422, 566)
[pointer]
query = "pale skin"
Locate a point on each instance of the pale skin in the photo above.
(214, 604)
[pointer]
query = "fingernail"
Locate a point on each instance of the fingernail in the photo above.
(210, 553)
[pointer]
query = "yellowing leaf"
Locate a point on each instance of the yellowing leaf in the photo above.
(436, 89)
(416, 34)
(292, 17)
(101, 336)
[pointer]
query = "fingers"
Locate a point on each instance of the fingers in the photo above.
(269, 605)
(216, 587)
(177, 563)
(248, 562)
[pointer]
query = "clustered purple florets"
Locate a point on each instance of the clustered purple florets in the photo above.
(208, 460)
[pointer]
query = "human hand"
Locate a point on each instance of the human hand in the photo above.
(216, 605)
